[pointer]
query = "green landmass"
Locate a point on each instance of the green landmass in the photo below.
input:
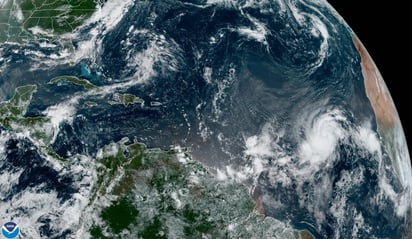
(96, 233)
(73, 80)
(13, 110)
(152, 193)
(120, 215)
(17, 105)
(19, 20)
(159, 178)
(12, 118)
(166, 194)
(56, 16)
(126, 99)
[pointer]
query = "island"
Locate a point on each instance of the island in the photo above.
(141, 192)
(73, 80)
(126, 99)
(155, 103)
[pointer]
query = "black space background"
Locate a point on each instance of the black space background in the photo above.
(383, 27)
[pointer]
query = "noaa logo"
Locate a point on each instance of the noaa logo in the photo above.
(10, 230)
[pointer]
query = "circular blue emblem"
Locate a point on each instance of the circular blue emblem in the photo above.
(10, 230)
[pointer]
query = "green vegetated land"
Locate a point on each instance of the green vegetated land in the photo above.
(61, 80)
(166, 194)
(12, 118)
(20, 19)
(152, 193)
(56, 16)
(12, 111)
(126, 99)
